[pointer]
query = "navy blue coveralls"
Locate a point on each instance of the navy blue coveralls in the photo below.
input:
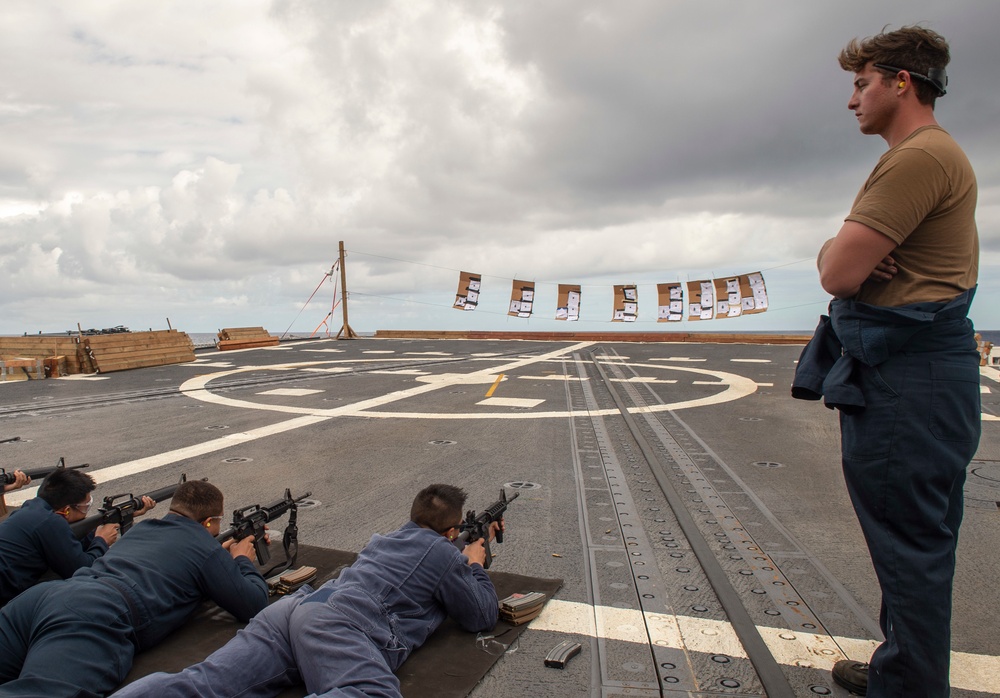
(35, 539)
(78, 637)
(906, 381)
(350, 635)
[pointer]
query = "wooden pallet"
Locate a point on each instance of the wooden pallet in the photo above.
(128, 350)
(65, 348)
(245, 338)
(22, 369)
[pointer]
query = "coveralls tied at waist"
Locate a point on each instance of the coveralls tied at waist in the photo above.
(869, 334)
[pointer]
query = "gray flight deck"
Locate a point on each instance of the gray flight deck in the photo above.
(696, 513)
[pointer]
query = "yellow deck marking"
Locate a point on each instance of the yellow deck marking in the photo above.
(489, 393)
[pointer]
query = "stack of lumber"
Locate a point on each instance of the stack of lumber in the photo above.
(244, 338)
(106, 353)
(59, 356)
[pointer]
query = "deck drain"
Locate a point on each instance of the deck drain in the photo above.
(237, 459)
(521, 485)
(442, 442)
(216, 427)
(767, 464)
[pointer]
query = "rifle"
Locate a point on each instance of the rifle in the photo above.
(34, 473)
(121, 512)
(250, 520)
(476, 527)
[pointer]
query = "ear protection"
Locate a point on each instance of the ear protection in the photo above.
(902, 85)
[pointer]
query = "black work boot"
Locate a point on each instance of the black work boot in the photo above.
(851, 675)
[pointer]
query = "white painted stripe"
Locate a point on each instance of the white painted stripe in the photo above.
(291, 392)
(974, 672)
(428, 353)
(765, 385)
(401, 372)
(678, 358)
(168, 458)
(642, 379)
(325, 351)
(88, 377)
(379, 351)
(990, 372)
(708, 383)
(551, 378)
(987, 417)
(202, 363)
(985, 389)
(333, 369)
(751, 361)
(510, 402)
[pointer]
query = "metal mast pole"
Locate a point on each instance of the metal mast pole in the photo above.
(345, 332)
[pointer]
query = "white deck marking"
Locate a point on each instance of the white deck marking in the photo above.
(291, 392)
(401, 372)
(428, 353)
(984, 389)
(550, 378)
(379, 351)
(751, 361)
(706, 383)
(643, 379)
(677, 358)
(84, 377)
(325, 351)
(205, 363)
(973, 672)
(736, 387)
(990, 372)
(170, 457)
(510, 402)
(334, 369)
(987, 417)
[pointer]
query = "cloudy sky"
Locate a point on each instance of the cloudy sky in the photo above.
(199, 160)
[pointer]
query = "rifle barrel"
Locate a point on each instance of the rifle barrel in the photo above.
(35, 473)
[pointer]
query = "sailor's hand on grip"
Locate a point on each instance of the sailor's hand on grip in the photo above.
(242, 547)
(496, 530)
(109, 532)
(476, 552)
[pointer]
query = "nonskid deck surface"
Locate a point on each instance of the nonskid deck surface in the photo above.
(695, 511)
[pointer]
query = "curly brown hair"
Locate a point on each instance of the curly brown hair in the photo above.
(915, 49)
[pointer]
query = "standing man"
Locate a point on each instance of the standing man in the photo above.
(351, 634)
(78, 637)
(903, 270)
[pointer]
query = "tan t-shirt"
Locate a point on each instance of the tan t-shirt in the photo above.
(922, 194)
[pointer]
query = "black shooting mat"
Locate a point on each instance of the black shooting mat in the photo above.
(449, 665)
